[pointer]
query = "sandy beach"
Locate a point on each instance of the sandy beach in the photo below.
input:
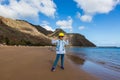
(34, 63)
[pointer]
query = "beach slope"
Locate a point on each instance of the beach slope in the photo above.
(34, 63)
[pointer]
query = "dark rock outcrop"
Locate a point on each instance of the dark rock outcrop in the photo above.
(79, 40)
(43, 30)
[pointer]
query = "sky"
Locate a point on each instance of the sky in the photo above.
(97, 20)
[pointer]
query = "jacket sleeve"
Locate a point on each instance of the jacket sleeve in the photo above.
(54, 41)
(66, 42)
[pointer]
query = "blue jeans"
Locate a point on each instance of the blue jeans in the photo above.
(57, 59)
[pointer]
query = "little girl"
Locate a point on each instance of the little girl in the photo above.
(60, 50)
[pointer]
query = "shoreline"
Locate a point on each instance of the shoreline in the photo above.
(96, 69)
(34, 63)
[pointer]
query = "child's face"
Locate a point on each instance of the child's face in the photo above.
(61, 37)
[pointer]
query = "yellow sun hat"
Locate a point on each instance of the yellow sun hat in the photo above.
(61, 34)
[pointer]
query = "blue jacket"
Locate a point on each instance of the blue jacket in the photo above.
(60, 46)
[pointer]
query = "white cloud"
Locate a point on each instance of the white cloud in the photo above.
(65, 24)
(81, 28)
(45, 25)
(27, 8)
(84, 18)
(92, 7)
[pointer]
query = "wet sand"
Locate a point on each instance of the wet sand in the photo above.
(34, 63)
(94, 68)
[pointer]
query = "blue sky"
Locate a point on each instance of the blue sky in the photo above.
(97, 20)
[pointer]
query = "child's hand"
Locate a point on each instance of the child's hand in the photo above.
(54, 38)
(65, 38)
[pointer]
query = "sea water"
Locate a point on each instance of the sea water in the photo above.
(101, 61)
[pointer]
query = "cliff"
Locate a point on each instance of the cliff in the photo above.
(79, 40)
(17, 32)
(20, 32)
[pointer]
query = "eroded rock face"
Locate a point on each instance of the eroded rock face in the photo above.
(17, 32)
(79, 40)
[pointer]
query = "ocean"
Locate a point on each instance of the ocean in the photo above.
(104, 62)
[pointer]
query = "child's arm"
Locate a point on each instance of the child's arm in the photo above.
(54, 41)
(66, 42)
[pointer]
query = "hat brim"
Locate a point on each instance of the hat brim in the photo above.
(61, 36)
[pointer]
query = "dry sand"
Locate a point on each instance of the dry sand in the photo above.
(34, 63)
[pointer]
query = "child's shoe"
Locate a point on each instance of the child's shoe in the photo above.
(53, 69)
(62, 67)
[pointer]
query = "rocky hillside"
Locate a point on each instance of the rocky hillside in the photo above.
(79, 40)
(43, 30)
(40, 28)
(74, 39)
(16, 32)
(19, 32)
(56, 33)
